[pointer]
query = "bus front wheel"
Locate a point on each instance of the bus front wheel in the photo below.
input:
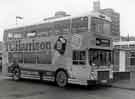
(61, 78)
(16, 74)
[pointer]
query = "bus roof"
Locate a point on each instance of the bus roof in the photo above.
(124, 43)
(92, 14)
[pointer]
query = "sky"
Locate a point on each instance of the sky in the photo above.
(37, 10)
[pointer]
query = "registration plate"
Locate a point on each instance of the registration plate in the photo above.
(103, 81)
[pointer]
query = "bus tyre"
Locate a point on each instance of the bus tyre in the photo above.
(61, 78)
(16, 74)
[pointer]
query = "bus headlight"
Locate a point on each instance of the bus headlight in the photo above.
(93, 64)
(92, 67)
(111, 66)
(92, 76)
(111, 74)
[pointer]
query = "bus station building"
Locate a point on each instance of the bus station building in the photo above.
(124, 57)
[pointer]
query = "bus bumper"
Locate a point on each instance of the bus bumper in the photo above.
(93, 82)
(88, 82)
(77, 81)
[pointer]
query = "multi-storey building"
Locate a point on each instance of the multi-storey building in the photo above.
(124, 56)
(115, 17)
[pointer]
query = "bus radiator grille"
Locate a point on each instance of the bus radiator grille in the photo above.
(103, 75)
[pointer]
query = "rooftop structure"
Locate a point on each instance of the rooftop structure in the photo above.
(115, 17)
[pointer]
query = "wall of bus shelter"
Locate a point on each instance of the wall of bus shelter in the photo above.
(1, 47)
(124, 63)
(0, 61)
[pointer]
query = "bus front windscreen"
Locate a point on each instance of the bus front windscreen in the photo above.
(100, 57)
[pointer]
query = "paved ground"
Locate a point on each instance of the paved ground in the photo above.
(126, 84)
(32, 89)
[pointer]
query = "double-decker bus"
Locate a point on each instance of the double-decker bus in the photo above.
(71, 49)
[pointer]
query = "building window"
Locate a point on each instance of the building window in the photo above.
(132, 46)
(116, 57)
(132, 58)
(79, 57)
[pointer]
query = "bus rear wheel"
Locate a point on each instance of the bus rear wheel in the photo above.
(61, 78)
(16, 74)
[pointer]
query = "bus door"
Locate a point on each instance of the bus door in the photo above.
(79, 67)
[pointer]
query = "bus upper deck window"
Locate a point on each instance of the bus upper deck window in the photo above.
(10, 35)
(17, 35)
(31, 34)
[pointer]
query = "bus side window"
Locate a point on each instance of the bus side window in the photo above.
(79, 57)
(79, 24)
(31, 34)
(43, 34)
(10, 35)
(18, 35)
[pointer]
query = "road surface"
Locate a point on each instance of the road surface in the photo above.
(32, 89)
